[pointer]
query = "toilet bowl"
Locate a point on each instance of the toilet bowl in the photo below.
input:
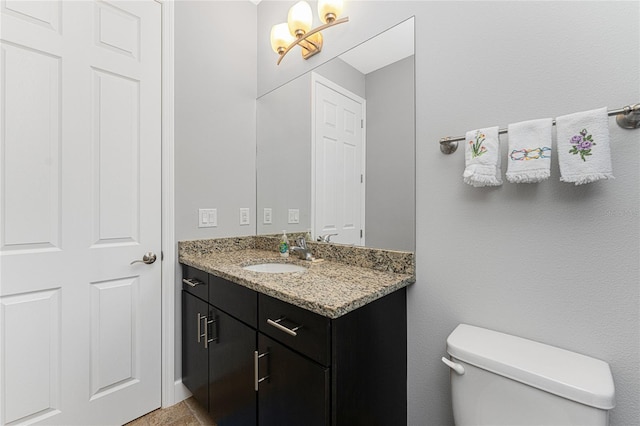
(499, 379)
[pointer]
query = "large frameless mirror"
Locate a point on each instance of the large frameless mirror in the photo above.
(336, 147)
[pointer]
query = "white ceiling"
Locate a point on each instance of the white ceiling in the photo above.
(386, 48)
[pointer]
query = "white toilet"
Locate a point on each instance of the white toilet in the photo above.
(499, 379)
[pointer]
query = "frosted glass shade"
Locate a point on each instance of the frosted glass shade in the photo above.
(331, 8)
(280, 37)
(300, 18)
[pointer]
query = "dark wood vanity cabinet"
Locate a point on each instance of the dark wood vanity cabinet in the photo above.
(295, 343)
(232, 400)
(296, 391)
(195, 357)
(272, 363)
(218, 348)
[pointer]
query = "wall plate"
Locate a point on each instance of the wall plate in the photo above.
(294, 216)
(267, 216)
(207, 218)
(244, 216)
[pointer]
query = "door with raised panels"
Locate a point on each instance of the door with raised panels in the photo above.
(338, 180)
(80, 201)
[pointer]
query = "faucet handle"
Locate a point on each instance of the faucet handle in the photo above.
(302, 243)
(326, 238)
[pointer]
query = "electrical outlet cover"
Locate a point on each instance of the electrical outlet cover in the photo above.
(244, 216)
(294, 216)
(267, 216)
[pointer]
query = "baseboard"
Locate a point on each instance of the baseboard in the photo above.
(180, 391)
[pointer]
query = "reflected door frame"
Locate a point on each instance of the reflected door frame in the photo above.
(316, 80)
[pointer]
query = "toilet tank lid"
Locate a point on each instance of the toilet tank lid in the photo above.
(564, 373)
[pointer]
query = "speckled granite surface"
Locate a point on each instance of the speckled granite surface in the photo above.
(330, 288)
(402, 262)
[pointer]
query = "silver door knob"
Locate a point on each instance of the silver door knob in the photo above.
(148, 258)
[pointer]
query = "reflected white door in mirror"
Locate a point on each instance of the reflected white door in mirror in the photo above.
(338, 188)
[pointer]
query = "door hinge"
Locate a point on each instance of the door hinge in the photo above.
(361, 178)
(362, 124)
(361, 233)
(161, 256)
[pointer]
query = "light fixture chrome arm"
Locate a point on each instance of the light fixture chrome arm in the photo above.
(312, 46)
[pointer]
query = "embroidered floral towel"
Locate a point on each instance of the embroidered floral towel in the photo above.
(482, 158)
(583, 146)
(529, 158)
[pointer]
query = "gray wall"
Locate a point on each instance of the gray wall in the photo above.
(215, 92)
(390, 211)
(284, 156)
(550, 262)
(344, 75)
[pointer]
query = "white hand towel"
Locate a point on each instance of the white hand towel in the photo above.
(529, 158)
(482, 158)
(583, 146)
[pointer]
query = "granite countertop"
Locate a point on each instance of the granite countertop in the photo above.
(329, 288)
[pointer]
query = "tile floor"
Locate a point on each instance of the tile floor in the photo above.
(185, 413)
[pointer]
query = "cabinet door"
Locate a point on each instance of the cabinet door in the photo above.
(232, 397)
(295, 390)
(195, 361)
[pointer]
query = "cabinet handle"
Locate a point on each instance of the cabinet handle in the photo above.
(256, 375)
(192, 282)
(289, 331)
(200, 334)
(209, 322)
(206, 333)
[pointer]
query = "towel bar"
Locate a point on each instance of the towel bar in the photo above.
(627, 117)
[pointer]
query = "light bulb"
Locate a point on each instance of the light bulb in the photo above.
(300, 18)
(280, 38)
(329, 10)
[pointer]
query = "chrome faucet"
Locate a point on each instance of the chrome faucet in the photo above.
(326, 238)
(301, 250)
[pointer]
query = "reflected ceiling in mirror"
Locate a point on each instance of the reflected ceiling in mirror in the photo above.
(336, 147)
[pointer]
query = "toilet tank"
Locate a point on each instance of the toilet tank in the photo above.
(508, 380)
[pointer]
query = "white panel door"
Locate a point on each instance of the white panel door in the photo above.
(80, 200)
(338, 181)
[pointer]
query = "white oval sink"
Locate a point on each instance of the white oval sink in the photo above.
(275, 268)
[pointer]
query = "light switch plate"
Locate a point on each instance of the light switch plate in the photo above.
(266, 216)
(294, 216)
(207, 218)
(244, 216)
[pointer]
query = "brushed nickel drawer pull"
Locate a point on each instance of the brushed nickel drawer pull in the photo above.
(214, 323)
(256, 375)
(192, 282)
(289, 331)
(200, 334)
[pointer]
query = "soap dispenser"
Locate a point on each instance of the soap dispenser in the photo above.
(283, 247)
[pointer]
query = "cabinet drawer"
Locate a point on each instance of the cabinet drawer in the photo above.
(195, 281)
(303, 331)
(236, 300)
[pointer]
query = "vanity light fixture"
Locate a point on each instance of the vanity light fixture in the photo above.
(297, 30)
